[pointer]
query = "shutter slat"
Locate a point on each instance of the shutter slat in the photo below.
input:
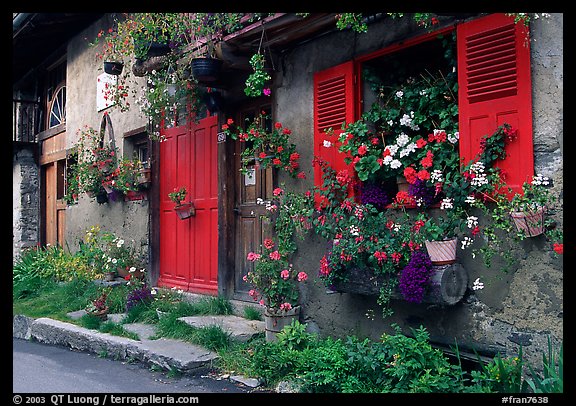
(491, 52)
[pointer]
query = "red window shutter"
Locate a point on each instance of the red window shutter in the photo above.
(495, 88)
(333, 105)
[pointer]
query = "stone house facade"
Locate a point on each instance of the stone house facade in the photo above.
(520, 307)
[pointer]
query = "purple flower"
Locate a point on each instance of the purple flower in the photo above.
(376, 195)
(137, 296)
(415, 277)
(421, 191)
(267, 91)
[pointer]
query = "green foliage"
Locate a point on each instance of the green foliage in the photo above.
(294, 336)
(502, 375)
(35, 266)
(353, 21)
(257, 80)
(552, 378)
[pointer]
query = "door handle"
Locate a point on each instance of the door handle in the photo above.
(236, 210)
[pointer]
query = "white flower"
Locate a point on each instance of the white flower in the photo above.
(472, 221)
(114, 260)
(132, 269)
(327, 144)
(395, 164)
(387, 160)
(470, 199)
(399, 94)
(390, 123)
(437, 176)
(153, 291)
(393, 148)
(446, 204)
(540, 180)
(120, 243)
(423, 92)
(402, 139)
(354, 231)
(467, 241)
(453, 138)
(408, 150)
(477, 285)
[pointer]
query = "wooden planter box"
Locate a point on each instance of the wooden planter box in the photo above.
(447, 284)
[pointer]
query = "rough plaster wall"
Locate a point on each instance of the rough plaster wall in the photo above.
(127, 219)
(522, 305)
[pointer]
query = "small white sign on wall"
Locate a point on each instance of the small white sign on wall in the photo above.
(105, 88)
(250, 177)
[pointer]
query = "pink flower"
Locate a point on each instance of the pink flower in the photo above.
(253, 257)
(277, 192)
(267, 91)
(274, 255)
(285, 306)
(285, 274)
(302, 276)
(268, 243)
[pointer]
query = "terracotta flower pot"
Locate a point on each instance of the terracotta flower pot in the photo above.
(442, 252)
(531, 222)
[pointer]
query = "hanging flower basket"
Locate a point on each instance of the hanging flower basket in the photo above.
(113, 68)
(206, 70)
(530, 222)
(442, 252)
(185, 210)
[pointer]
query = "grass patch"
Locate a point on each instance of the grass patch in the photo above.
(211, 337)
(251, 313)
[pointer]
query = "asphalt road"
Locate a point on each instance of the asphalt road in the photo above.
(41, 368)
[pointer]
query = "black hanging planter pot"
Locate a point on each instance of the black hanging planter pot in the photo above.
(158, 49)
(113, 68)
(206, 70)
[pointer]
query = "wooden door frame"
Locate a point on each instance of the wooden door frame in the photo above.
(227, 192)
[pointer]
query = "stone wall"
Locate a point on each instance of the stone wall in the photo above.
(522, 306)
(25, 200)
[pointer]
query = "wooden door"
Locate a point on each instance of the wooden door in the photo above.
(53, 179)
(189, 247)
(252, 224)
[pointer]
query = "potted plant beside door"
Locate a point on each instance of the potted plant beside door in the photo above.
(183, 209)
(275, 286)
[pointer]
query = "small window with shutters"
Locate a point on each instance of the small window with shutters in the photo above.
(487, 72)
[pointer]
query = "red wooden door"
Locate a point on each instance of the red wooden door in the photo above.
(189, 247)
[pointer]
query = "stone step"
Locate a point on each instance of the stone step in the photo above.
(238, 327)
(164, 352)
